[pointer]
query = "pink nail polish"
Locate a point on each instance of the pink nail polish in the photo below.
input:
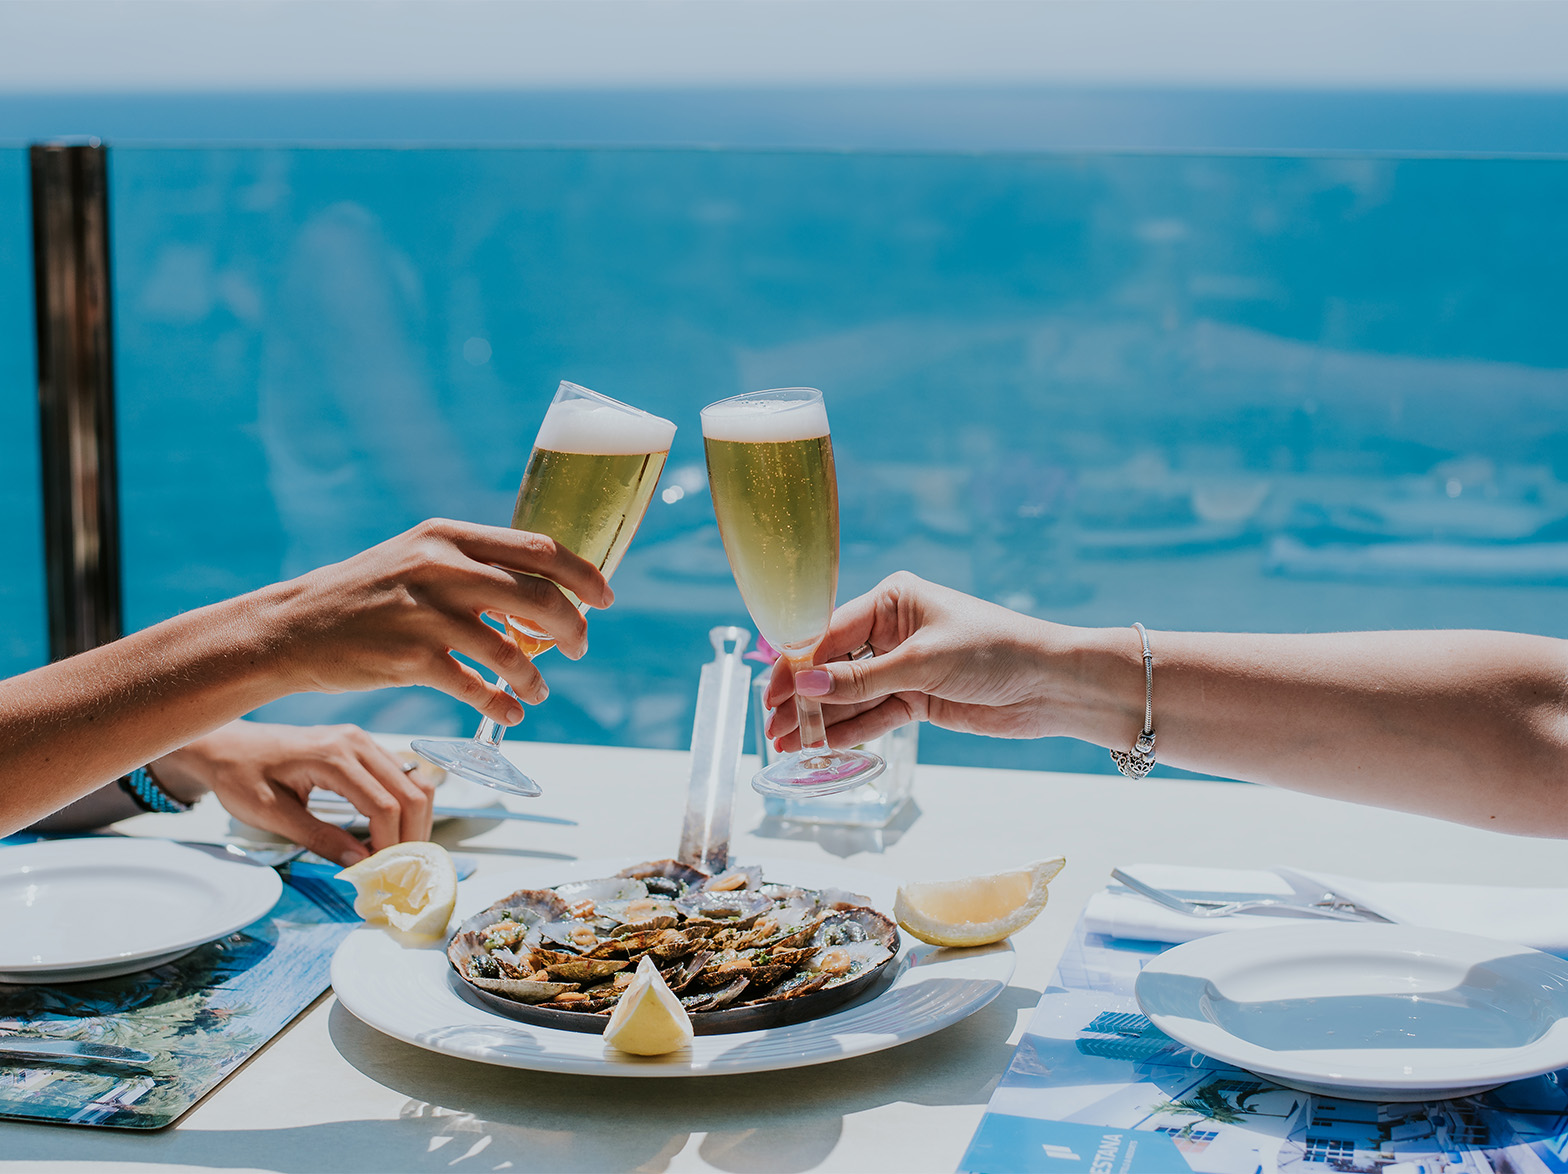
(814, 683)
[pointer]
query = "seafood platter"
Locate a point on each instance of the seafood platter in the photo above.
(739, 951)
(778, 964)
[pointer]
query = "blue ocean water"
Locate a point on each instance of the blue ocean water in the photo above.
(1201, 391)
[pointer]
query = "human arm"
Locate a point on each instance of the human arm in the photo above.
(1466, 725)
(392, 615)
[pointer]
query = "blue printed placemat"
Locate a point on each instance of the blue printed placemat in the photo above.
(1095, 1088)
(200, 1016)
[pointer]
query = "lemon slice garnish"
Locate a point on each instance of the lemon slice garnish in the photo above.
(649, 1020)
(411, 887)
(977, 910)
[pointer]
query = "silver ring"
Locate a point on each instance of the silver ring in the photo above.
(409, 767)
(864, 652)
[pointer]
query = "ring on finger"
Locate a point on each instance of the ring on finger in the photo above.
(864, 652)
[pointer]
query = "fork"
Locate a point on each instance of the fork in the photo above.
(1330, 905)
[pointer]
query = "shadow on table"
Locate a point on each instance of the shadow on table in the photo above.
(462, 1115)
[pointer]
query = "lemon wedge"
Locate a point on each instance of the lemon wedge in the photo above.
(649, 1020)
(412, 887)
(977, 910)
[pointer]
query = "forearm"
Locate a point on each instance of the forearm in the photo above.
(70, 727)
(95, 809)
(1467, 726)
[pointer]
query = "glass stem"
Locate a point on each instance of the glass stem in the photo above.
(490, 731)
(808, 711)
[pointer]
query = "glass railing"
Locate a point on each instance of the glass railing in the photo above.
(23, 626)
(1208, 392)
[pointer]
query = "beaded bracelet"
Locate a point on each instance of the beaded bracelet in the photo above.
(146, 792)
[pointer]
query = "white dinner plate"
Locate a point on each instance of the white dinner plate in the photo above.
(410, 993)
(98, 906)
(1373, 1012)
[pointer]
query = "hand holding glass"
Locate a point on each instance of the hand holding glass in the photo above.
(770, 471)
(593, 470)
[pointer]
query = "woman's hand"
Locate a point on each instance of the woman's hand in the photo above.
(264, 774)
(940, 656)
(394, 614)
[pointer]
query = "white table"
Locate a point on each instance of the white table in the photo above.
(332, 1094)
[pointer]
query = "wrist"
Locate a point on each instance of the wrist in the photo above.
(181, 773)
(1099, 684)
(265, 627)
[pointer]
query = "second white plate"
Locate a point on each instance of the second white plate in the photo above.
(410, 995)
(1375, 1012)
(98, 906)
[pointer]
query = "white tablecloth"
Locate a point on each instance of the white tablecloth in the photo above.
(331, 1094)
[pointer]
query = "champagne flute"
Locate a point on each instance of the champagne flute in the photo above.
(770, 472)
(590, 477)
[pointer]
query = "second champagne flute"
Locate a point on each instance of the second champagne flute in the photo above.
(593, 470)
(770, 471)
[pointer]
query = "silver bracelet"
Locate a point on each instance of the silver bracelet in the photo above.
(1138, 761)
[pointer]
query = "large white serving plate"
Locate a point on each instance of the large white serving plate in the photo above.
(98, 906)
(410, 993)
(1374, 1012)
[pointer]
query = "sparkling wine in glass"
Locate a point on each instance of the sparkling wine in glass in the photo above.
(770, 471)
(592, 473)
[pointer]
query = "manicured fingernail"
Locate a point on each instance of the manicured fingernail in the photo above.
(814, 683)
(355, 855)
(772, 720)
(513, 715)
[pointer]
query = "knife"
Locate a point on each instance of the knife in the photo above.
(52, 1048)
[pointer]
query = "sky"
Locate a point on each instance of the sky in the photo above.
(84, 46)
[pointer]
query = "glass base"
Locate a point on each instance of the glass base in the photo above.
(821, 773)
(471, 759)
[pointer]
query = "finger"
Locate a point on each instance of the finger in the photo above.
(846, 681)
(781, 684)
(852, 730)
(534, 554)
(851, 626)
(497, 651)
(458, 680)
(417, 817)
(786, 717)
(538, 602)
(371, 799)
(287, 817)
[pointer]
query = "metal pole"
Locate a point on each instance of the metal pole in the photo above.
(76, 394)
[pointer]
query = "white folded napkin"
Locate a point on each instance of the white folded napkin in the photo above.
(1531, 917)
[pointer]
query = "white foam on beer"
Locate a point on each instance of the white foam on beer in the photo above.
(751, 421)
(581, 425)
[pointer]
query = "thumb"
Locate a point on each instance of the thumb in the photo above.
(847, 681)
(324, 839)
